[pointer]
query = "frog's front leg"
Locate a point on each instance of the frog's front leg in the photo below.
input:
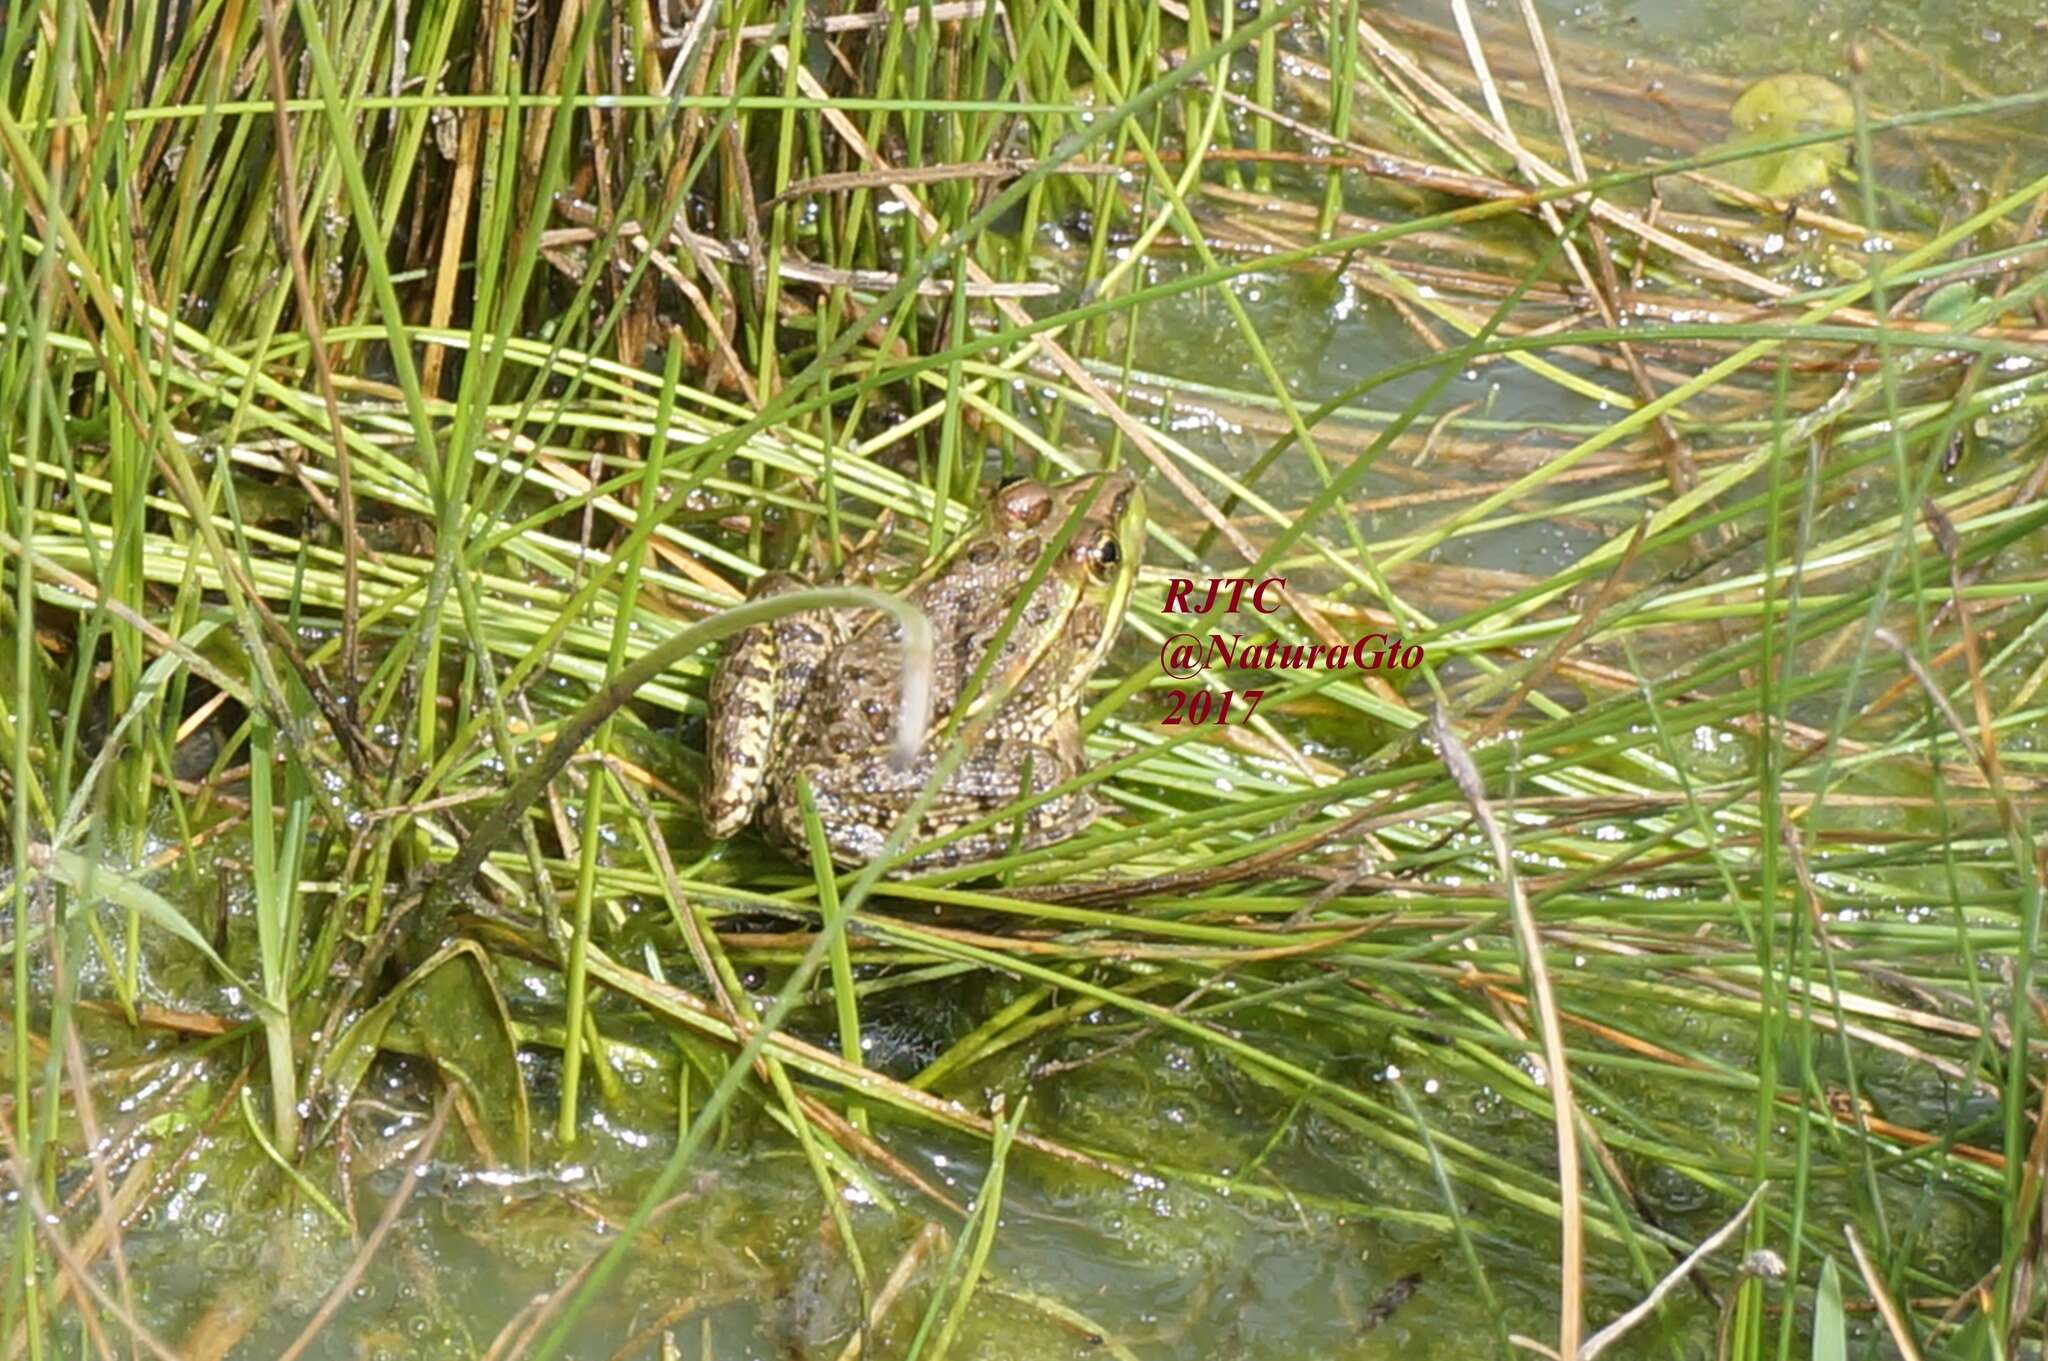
(757, 691)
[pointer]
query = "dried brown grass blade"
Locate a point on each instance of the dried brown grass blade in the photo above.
(1887, 1307)
(74, 1268)
(1613, 1332)
(1571, 1211)
(345, 1287)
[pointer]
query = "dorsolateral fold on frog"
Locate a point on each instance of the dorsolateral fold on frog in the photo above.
(1023, 607)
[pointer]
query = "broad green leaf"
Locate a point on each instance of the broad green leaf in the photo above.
(117, 888)
(457, 1017)
(450, 1010)
(1830, 1327)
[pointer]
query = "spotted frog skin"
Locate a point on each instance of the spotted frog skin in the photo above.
(814, 694)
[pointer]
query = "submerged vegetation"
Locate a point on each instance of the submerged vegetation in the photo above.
(382, 383)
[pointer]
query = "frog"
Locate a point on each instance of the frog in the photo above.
(812, 696)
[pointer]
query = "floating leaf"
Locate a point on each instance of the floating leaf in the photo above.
(1783, 106)
(1949, 302)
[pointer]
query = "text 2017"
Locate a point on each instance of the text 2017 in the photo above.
(1208, 706)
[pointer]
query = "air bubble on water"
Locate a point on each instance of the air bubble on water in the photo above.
(626, 1135)
(1346, 304)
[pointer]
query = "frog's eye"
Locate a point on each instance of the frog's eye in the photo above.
(1023, 504)
(1101, 555)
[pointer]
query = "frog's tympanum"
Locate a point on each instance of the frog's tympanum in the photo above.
(814, 694)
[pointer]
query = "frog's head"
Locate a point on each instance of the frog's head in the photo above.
(1096, 523)
(1103, 554)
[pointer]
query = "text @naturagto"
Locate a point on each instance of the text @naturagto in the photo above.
(1184, 656)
